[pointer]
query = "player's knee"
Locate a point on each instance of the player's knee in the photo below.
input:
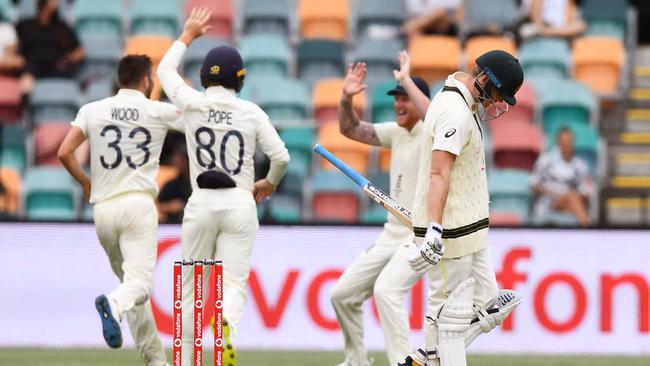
(339, 295)
(382, 293)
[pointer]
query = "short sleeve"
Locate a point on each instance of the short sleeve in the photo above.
(81, 121)
(385, 132)
(450, 131)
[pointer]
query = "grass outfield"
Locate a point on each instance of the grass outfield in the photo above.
(97, 357)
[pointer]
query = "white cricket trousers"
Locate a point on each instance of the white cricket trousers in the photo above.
(219, 224)
(127, 228)
(446, 275)
(381, 271)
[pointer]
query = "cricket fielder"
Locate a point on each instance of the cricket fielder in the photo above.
(126, 134)
(450, 211)
(222, 132)
(382, 270)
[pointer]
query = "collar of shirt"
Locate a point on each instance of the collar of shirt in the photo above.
(416, 128)
(130, 93)
(220, 91)
(453, 81)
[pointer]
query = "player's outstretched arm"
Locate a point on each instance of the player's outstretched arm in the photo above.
(349, 123)
(173, 84)
(403, 76)
(73, 139)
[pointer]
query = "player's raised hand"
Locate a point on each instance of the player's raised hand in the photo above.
(262, 189)
(404, 71)
(196, 24)
(353, 83)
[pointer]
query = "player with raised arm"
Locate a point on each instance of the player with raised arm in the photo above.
(382, 270)
(451, 215)
(222, 132)
(126, 134)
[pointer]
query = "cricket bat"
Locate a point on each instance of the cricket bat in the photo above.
(377, 195)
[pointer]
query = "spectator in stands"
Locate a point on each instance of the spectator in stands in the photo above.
(552, 18)
(11, 61)
(433, 17)
(50, 47)
(175, 193)
(561, 181)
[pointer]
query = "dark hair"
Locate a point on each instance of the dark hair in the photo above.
(132, 69)
(234, 83)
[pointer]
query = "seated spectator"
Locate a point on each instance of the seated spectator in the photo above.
(174, 195)
(432, 17)
(562, 181)
(50, 47)
(11, 62)
(553, 18)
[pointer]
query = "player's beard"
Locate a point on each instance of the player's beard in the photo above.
(148, 87)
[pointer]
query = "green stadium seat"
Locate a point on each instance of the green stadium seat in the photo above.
(504, 13)
(193, 58)
(26, 9)
(6, 10)
(103, 53)
(380, 18)
(335, 197)
(299, 141)
(285, 208)
(266, 54)
(99, 89)
(283, 99)
(320, 59)
(98, 17)
(383, 104)
(586, 143)
(54, 99)
(374, 215)
(545, 58)
(10, 100)
(510, 192)
(606, 17)
(49, 194)
(564, 102)
(266, 17)
(13, 147)
(155, 17)
(380, 55)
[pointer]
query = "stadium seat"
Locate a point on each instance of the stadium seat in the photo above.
(335, 197)
(222, 15)
(195, 54)
(381, 179)
(102, 55)
(523, 111)
(54, 99)
(380, 18)
(354, 153)
(6, 9)
(383, 159)
(476, 46)
(299, 141)
(155, 17)
(606, 17)
(26, 9)
(99, 89)
(555, 218)
(326, 98)
(98, 17)
(446, 60)
(323, 19)
(49, 194)
(13, 147)
(383, 109)
(564, 102)
(597, 62)
(375, 214)
(502, 14)
(505, 219)
(283, 99)
(380, 56)
(515, 145)
(545, 58)
(266, 54)
(266, 17)
(153, 46)
(319, 59)
(285, 208)
(47, 137)
(10, 198)
(10, 100)
(586, 143)
(510, 192)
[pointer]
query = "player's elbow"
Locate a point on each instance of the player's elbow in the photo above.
(64, 152)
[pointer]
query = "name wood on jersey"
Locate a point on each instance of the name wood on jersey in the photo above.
(220, 117)
(125, 114)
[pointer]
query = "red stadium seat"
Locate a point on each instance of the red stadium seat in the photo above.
(47, 139)
(523, 111)
(222, 15)
(505, 219)
(336, 207)
(516, 145)
(10, 100)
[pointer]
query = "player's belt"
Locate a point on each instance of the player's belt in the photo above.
(213, 179)
(456, 232)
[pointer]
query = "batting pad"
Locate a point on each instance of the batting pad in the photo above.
(454, 318)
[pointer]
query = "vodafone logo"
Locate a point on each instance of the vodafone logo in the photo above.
(198, 342)
(198, 304)
(177, 342)
(177, 304)
(218, 342)
(218, 304)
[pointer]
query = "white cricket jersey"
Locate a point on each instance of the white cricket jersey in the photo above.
(221, 130)
(405, 155)
(126, 134)
(452, 125)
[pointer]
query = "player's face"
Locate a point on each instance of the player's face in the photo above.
(405, 112)
(565, 143)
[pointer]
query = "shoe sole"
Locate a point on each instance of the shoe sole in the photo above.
(110, 327)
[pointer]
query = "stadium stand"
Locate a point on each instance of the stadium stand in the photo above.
(266, 17)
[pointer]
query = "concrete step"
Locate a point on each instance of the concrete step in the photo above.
(632, 164)
(640, 94)
(627, 211)
(620, 181)
(635, 138)
(637, 120)
(641, 77)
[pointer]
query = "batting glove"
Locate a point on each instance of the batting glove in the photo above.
(430, 249)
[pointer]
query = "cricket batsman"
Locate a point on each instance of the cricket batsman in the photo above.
(382, 270)
(451, 214)
(126, 134)
(222, 132)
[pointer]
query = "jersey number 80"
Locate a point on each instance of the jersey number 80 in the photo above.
(211, 164)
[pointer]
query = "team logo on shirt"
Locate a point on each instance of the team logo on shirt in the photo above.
(450, 133)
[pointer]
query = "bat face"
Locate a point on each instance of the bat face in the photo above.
(400, 212)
